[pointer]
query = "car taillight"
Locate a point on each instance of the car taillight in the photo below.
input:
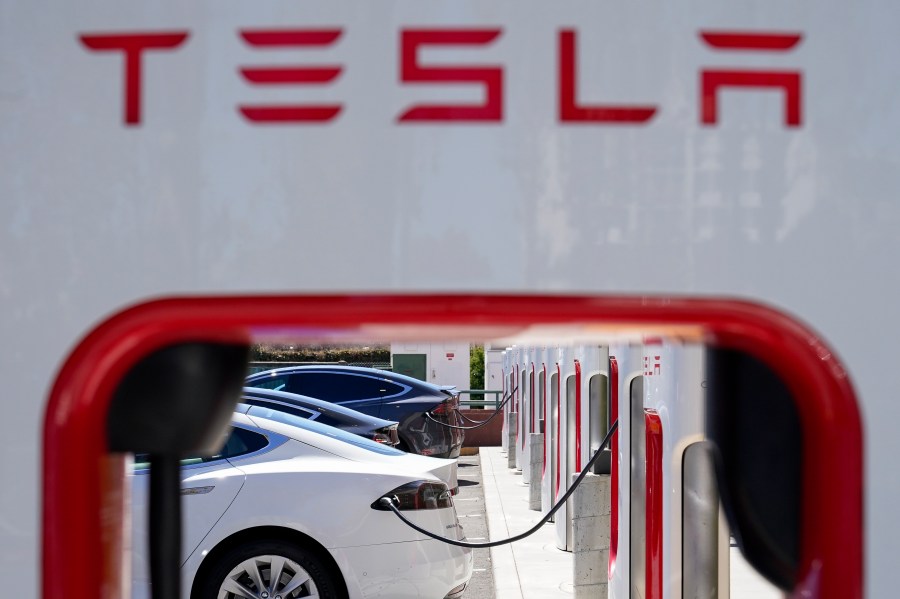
(386, 435)
(418, 495)
(446, 407)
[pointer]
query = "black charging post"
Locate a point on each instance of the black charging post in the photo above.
(176, 401)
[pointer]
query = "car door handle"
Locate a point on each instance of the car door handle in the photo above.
(197, 490)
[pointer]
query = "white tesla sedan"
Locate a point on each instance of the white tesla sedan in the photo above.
(289, 508)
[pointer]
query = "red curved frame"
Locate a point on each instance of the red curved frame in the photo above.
(83, 510)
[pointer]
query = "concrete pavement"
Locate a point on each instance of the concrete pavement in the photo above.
(533, 568)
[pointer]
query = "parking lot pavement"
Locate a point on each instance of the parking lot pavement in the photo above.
(470, 508)
(532, 568)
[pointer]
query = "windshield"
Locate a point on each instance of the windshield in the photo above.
(323, 429)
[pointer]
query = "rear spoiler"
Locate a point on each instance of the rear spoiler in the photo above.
(449, 389)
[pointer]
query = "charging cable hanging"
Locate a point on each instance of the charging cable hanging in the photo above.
(388, 503)
(481, 423)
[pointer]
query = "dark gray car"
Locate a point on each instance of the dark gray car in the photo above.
(324, 412)
(427, 413)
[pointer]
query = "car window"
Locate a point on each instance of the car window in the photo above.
(331, 421)
(334, 386)
(240, 442)
(330, 431)
(276, 383)
(282, 406)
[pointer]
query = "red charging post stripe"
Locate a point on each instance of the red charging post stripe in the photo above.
(546, 413)
(577, 416)
(654, 504)
(558, 378)
(614, 466)
(531, 394)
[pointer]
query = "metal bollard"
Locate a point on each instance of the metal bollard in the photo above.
(535, 468)
(590, 536)
(511, 438)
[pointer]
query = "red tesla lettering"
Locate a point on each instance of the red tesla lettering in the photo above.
(290, 75)
(652, 368)
(490, 77)
(711, 80)
(571, 111)
(133, 46)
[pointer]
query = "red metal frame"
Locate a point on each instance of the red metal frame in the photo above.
(654, 504)
(82, 511)
(614, 466)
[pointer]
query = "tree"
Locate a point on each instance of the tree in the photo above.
(476, 370)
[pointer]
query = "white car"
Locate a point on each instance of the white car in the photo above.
(289, 508)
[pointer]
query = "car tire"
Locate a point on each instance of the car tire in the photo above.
(302, 573)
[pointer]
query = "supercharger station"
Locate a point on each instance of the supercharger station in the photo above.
(675, 529)
(594, 398)
(531, 409)
(549, 483)
(505, 388)
(625, 368)
(572, 397)
(524, 370)
(753, 357)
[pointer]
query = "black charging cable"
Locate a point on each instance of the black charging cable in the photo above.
(481, 423)
(497, 409)
(389, 503)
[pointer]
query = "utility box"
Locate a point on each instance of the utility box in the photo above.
(493, 370)
(437, 363)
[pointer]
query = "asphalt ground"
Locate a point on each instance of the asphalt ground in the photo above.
(470, 509)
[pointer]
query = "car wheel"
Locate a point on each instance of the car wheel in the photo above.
(269, 570)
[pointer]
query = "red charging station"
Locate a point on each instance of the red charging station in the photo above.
(85, 512)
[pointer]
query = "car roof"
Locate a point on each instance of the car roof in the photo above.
(311, 432)
(361, 370)
(326, 407)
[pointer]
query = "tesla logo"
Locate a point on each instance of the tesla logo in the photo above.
(490, 78)
(414, 70)
(712, 80)
(133, 46)
(571, 111)
(652, 367)
(290, 75)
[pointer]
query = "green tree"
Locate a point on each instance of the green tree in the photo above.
(476, 370)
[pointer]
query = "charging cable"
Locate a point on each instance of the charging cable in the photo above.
(389, 503)
(480, 422)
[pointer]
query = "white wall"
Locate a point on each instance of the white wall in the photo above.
(445, 363)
